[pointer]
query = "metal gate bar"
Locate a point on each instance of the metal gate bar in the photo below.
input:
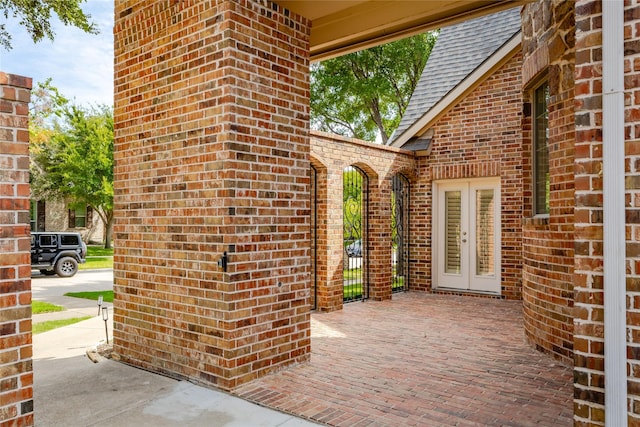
(355, 211)
(314, 237)
(400, 233)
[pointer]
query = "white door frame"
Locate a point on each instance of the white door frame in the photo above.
(466, 278)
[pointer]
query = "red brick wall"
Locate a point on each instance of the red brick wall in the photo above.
(212, 156)
(632, 199)
(548, 241)
(331, 154)
(16, 371)
(480, 137)
(589, 279)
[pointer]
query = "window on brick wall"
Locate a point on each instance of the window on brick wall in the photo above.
(541, 150)
(37, 211)
(80, 217)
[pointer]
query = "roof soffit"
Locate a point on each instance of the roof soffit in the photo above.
(340, 27)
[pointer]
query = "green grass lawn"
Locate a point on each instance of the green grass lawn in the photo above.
(107, 296)
(97, 262)
(99, 251)
(398, 282)
(352, 291)
(352, 273)
(38, 307)
(97, 257)
(53, 324)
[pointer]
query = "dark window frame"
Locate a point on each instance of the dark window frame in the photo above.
(73, 218)
(540, 149)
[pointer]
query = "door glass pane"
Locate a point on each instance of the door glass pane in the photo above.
(485, 233)
(452, 215)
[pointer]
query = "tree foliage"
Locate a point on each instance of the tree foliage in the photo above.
(35, 16)
(72, 154)
(352, 183)
(364, 94)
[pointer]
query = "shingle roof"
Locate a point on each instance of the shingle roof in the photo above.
(459, 50)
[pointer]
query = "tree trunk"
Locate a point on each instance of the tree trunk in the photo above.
(108, 232)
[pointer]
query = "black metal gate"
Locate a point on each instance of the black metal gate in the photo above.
(400, 233)
(355, 212)
(314, 236)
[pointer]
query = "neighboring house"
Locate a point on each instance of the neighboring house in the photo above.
(464, 122)
(60, 216)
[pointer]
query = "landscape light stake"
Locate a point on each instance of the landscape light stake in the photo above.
(105, 317)
(99, 304)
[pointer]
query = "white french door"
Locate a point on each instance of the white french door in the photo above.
(466, 231)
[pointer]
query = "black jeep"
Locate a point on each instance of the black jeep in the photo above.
(57, 253)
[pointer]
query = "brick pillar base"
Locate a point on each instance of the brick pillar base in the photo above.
(16, 371)
(212, 165)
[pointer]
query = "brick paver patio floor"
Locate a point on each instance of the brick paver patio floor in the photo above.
(422, 360)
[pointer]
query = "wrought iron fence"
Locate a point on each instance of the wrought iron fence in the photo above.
(399, 233)
(355, 212)
(313, 173)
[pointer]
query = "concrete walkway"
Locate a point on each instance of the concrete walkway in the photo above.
(70, 390)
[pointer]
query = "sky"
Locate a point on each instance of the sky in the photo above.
(80, 64)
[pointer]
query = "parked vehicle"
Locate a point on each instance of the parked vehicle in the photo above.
(355, 249)
(57, 253)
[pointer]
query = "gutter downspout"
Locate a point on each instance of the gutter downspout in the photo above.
(615, 363)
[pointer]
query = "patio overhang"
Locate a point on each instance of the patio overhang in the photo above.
(340, 27)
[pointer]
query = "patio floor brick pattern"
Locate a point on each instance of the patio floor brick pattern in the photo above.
(422, 360)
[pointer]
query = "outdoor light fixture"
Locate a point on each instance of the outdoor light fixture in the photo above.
(99, 304)
(105, 317)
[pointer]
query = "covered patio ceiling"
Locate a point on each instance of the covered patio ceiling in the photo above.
(340, 27)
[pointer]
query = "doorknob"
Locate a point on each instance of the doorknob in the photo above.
(464, 240)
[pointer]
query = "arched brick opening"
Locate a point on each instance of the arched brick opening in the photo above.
(382, 162)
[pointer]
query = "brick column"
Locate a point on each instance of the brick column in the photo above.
(380, 241)
(420, 232)
(212, 157)
(16, 371)
(328, 211)
(589, 279)
(330, 286)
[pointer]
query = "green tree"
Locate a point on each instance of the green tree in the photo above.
(47, 105)
(35, 16)
(364, 94)
(72, 157)
(352, 183)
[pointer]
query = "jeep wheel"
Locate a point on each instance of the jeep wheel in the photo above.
(66, 267)
(48, 272)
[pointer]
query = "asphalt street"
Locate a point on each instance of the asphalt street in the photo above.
(47, 287)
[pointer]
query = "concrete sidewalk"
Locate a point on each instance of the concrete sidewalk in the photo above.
(70, 390)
